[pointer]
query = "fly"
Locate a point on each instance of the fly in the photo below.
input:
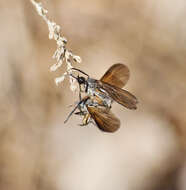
(101, 93)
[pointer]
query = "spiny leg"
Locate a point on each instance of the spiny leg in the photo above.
(77, 106)
(86, 119)
(73, 110)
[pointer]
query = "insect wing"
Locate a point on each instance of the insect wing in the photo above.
(117, 75)
(105, 120)
(119, 95)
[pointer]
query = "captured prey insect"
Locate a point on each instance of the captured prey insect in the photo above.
(100, 94)
(96, 113)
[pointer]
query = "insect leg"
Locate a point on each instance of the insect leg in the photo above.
(77, 106)
(73, 111)
(79, 92)
(86, 119)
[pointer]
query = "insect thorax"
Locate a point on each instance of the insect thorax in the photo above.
(92, 86)
(93, 90)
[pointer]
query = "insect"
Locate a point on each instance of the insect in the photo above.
(100, 95)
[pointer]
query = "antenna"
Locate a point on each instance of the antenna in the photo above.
(80, 71)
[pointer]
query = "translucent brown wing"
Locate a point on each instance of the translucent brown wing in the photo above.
(119, 95)
(104, 119)
(116, 75)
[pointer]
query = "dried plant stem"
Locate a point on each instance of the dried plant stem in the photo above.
(62, 54)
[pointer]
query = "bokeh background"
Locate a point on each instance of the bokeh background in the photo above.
(39, 152)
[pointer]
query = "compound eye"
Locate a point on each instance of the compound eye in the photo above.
(81, 80)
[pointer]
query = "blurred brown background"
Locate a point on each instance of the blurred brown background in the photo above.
(39, 152)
